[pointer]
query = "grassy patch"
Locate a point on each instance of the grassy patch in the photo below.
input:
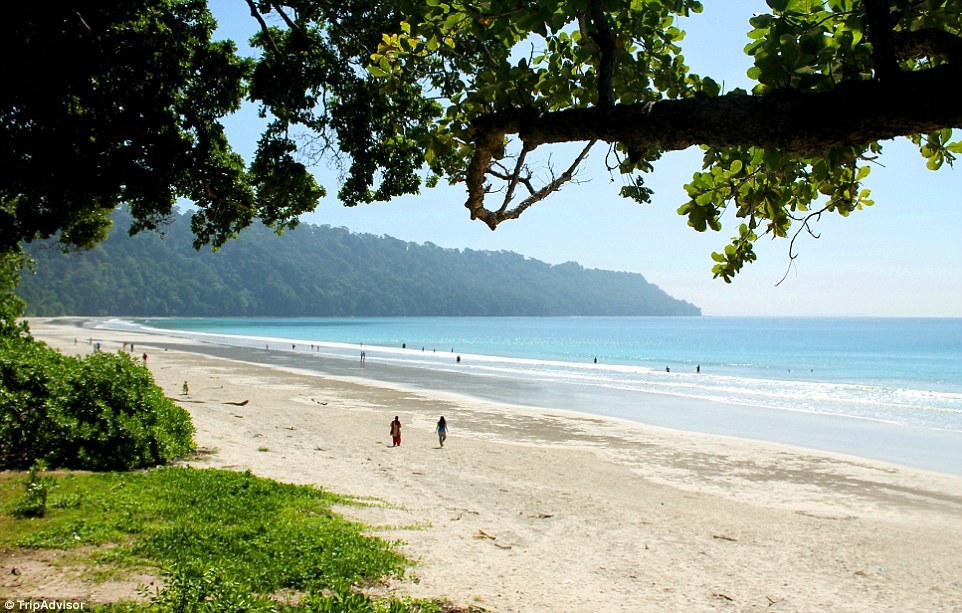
(215, 532)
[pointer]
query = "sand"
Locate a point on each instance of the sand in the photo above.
(528, 509)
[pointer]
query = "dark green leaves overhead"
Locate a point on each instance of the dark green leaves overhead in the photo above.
(114, 102)
(110, 103)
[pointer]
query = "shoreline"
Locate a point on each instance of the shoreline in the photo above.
(587, 512)
(932, 449)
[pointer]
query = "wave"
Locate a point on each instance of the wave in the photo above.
(620, 382)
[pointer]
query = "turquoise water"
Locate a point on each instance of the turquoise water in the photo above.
(900, 371)
(753, 377)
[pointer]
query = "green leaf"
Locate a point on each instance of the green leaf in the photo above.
(778, 6)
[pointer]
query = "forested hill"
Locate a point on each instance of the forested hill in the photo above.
(317, 271)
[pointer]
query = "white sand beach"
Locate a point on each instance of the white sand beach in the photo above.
(537, 510)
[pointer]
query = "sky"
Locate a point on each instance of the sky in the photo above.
(901, 257)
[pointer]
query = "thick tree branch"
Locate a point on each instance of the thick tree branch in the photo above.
(928, 43)
(878, 17)
(604, 37)
(854, 113)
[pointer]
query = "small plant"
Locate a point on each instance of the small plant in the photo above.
(34, 501)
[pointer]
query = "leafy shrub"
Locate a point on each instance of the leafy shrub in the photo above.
(101, 412)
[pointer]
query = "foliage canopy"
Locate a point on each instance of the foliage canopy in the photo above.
(410, 92)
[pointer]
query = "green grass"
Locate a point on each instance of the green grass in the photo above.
(212, 531)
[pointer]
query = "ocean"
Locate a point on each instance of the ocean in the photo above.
(888, 389)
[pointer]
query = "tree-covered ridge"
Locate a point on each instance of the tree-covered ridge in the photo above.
(319, 270)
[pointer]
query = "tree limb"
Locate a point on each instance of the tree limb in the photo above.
(854, 113)
(260, 20)
(928, 43)
(513, 181)
(878, 17)
(290, 23)
(605, 39)
(545, 191)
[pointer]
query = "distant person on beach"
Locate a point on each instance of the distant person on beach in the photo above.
(396, 432)
(186, 389)
(442, 430)
(459, 359)
(145, 358)
(363, 358)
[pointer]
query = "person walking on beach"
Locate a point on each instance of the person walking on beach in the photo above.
(396, 432)
(442, 430)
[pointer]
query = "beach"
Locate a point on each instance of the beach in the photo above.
(534, 509)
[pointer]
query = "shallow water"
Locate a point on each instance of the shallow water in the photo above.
(889, 389)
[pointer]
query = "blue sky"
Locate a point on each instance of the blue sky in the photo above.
(898, 258)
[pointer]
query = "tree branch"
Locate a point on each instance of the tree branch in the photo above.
(260, 20)
(605, 39)
(513, 180)
(878, 17)
(854, 113)
(928, 43)
(792, 256)
(290, 23)
(545, 191)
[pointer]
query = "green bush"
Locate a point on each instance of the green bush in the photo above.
(101, 412)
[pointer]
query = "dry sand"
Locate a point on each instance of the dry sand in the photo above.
(537, 510)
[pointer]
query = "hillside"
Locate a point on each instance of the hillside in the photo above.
(320, 271)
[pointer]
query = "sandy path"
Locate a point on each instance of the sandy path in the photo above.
(535, 510)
